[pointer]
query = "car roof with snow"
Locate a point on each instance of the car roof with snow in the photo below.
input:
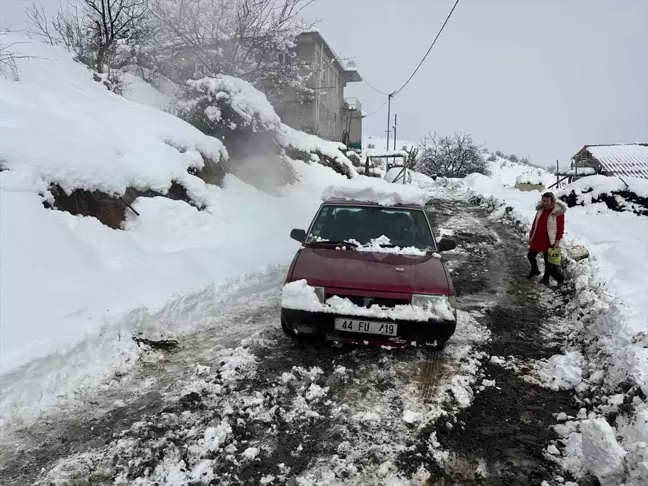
(338, 201)
(368, 191)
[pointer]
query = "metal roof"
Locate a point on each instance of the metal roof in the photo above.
(630, 160)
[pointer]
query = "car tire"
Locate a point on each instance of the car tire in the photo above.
(440, 345)
(287, 331)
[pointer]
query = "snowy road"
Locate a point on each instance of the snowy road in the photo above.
(239, 403)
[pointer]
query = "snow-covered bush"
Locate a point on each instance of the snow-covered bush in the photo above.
(451, 156)
(227, 108)
(629, 195)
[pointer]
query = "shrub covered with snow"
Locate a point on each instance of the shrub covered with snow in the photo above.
(225, 107)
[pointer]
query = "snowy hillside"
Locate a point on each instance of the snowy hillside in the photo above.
(607, 361)
(71, 284)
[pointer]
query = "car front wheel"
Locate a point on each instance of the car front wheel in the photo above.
(287, 331)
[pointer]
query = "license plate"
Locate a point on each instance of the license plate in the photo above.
(366, 327)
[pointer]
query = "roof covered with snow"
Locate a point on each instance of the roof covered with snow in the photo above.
(630, 160)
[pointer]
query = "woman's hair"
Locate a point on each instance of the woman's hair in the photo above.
(551, 196)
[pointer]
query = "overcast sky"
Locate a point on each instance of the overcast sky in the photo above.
(539, 78)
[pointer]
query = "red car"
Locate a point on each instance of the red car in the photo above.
(370, 274)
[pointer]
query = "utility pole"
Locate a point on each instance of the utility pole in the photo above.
(389, 97)
(395, 123)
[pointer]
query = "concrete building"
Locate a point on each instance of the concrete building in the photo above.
(326, 113)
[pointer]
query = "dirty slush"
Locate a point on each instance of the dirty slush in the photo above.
(272, 411)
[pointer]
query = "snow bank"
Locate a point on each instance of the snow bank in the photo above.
(73, 290)
(298, 295)
(304, 142)
(57, 125)
(612, 312)
(597, 185)
(377, 191)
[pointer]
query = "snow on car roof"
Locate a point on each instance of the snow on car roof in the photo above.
(374, 190)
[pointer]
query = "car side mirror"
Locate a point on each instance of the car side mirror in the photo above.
(298, 235)
(446, 244)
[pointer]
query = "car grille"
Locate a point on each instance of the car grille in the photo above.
(369, 301)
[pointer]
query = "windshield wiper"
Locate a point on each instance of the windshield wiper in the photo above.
(333, 242)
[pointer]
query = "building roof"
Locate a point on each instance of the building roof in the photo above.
(630, 160)
(351, 74)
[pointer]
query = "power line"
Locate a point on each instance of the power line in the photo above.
(373, 87)
(376, 111)
(428, 51)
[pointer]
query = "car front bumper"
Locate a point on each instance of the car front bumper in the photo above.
(321, 325)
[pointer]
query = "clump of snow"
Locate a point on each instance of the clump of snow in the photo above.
(233, 361)
(602, 454)
(215, 437)
(376, 245)
(410, 417)
(566, 370)
(250, 453)
(377, 191)
(250, 104)
(298, 295)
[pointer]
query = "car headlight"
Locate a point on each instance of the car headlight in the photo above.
(320, 292)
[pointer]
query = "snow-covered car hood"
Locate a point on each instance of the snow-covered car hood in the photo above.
(386, 272)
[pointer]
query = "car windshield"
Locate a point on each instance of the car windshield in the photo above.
(365, 224)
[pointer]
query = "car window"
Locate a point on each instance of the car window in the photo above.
(403, 227)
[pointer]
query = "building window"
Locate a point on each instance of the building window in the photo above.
(282, 57)
(199, 69)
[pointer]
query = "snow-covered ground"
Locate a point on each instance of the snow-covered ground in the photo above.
(608, 364)
(74, 290)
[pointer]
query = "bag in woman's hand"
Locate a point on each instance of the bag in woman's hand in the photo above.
(554, 256)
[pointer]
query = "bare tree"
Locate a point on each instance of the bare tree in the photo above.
(93, 31)
(8, 57)
(247, 39)
(451, 156)
(112, 20)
